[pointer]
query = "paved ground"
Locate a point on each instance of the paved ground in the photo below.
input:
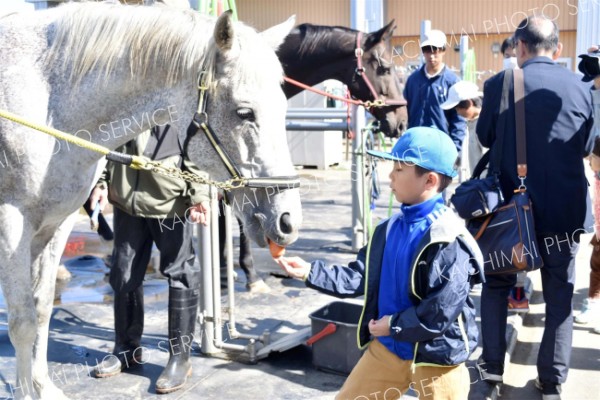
(583, 382)
(81, 327)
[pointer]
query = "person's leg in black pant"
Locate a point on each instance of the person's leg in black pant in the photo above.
(131, 254)
(177, 263)
(494, 302)
(558, 282)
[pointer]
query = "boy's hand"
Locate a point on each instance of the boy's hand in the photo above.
(294, 266)
(381, 327)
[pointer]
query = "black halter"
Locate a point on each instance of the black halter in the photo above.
(200, 121)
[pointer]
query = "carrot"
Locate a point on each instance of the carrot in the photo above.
(275, 249)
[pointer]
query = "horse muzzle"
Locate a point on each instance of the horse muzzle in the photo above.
(283, 230)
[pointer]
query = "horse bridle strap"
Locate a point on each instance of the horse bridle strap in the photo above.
(279, 183)
(360, 71)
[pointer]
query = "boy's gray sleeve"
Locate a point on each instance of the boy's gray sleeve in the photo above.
(339, 280)
(447, 289)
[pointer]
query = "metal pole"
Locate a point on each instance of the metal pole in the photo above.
(230, 284)
(366, 15)
(425, 28)
(464, 48)
(216, 273)
(206, 299)
(358, 181)
(358, 17)
(316, 113)
(316, 126)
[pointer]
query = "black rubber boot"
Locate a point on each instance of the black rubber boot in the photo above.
(129, 325)
(183, 309)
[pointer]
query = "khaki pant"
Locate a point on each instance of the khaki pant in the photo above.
(381, 375)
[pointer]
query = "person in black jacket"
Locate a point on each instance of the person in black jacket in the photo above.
(416, 272)
(558, 122)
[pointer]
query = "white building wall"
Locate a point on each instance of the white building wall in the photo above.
(588, 26)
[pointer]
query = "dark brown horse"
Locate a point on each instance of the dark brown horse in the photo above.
(362, 61)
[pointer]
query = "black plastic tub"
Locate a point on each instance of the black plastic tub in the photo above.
(335, 348)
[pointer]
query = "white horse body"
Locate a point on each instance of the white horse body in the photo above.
(107, 73)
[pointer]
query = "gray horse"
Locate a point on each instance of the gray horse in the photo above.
(106, 73)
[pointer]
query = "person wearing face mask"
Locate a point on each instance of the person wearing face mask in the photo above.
(508, 51)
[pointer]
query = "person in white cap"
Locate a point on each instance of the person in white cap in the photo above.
(465, 98)
(428, 87)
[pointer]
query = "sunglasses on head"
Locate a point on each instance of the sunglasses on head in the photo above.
(432, 49)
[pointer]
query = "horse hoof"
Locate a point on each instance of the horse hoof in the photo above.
(258, 287)
(50, 391)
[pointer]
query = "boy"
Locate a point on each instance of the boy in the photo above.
(418, 320)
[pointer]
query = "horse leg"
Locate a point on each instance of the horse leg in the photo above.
(15, 277)
(254, 282)
(49, 246)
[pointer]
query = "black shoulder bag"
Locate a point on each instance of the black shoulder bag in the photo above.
(504, 230)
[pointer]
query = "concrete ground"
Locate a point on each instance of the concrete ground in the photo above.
(81, 328)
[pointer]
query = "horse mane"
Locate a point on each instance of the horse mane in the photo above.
(98, 36)
(316, 36)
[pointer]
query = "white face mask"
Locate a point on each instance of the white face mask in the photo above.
(509, 63)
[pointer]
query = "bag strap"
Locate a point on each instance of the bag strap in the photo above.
(520, 126)
(497, 146)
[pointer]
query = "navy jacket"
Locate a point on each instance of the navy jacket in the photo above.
(558, 123)
(442, 322)
(424, 96)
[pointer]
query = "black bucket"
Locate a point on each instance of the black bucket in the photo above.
(335, 347)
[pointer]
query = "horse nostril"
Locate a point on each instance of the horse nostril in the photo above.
(285, 223)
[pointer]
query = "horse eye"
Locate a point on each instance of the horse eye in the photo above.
(381, 70)
(245, 113)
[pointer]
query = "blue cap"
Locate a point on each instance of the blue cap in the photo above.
(429, 148)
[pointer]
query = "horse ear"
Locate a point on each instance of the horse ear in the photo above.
(275, 35)
(224, 31)
(381, 35)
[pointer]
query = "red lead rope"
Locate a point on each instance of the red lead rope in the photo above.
(366, 104)
(360, 72)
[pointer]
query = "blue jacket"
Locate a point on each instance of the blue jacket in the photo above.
(424, 96)
(558, 123)
(441, 322)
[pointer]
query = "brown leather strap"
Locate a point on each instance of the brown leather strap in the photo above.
(497, 148)
(519, 86)
(483, 227)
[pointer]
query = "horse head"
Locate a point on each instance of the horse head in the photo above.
(246, 109)
(363, 62)
(377, 80)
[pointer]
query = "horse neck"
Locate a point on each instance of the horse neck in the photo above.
(328, 60)
(126, 110)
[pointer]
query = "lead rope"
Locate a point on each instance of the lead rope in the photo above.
(132, 161)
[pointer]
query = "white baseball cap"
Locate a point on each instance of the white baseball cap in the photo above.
(462, 90)
(435, 38)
